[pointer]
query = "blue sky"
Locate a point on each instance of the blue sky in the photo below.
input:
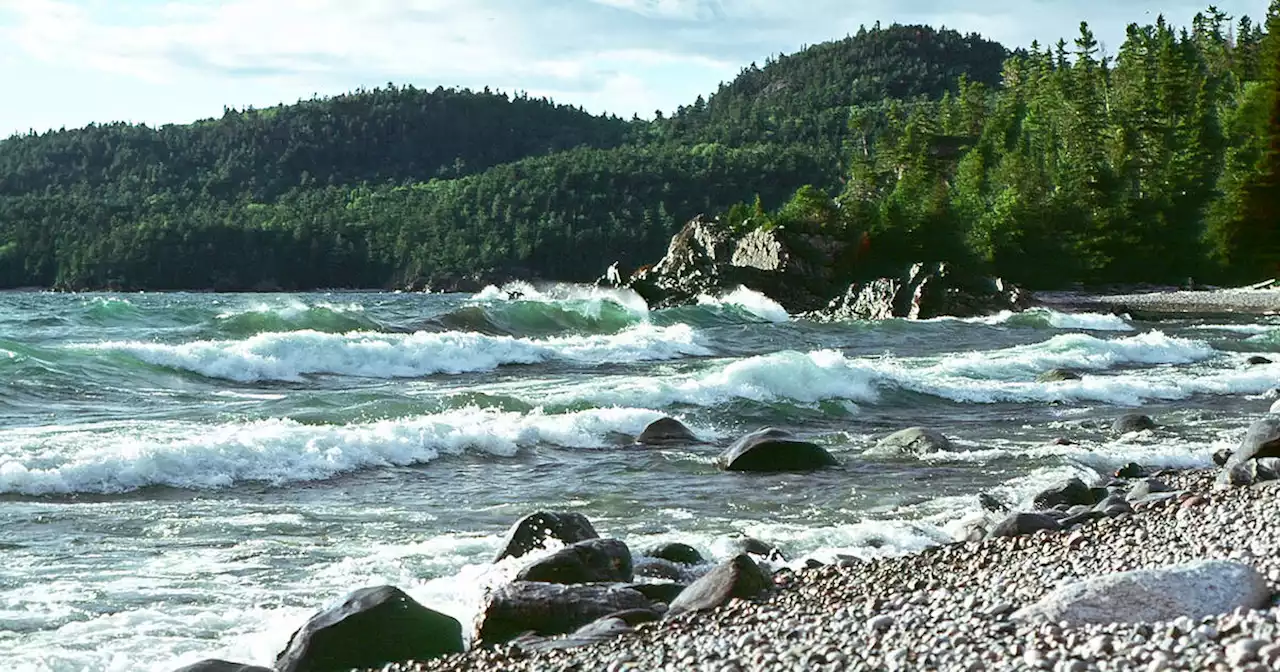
(71, 62)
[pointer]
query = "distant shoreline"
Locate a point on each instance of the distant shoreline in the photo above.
(1169, 302)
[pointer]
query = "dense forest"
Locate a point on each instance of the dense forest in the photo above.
(1045, 165)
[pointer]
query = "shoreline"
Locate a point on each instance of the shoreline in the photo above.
(1168, 302)
(950, 607)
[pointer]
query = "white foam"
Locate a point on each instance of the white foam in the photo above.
(751, 301)
(1055, 319)
(571, 295)
(288, 308)
(1275, 408)
(58, 460)
(293, 355)
(1248, 329)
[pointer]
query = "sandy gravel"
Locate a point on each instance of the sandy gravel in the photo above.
(1244, 301)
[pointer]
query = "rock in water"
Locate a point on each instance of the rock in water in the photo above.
(913, 441)
(665, 432)
(1071, 492)
(1132, 422)
(1258, 360)
(549, 609)
(371, 628)
(772, 450)
(590, 561)
(1057, 376)
(676, 552)
(1023, 523)
(213, 665)
(738, 577)
(657, 568)
(533, 530)
(1195, 590)
(1131, 470)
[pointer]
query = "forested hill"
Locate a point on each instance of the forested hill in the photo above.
(806, 96)
(384, 135)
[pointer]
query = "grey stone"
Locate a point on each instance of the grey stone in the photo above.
(913, 441)
(676, 552)
(1132, 422)
(1071, 492)
(533, 530)
(1146, 487)
(657, 568)
(772, 450)
(590, 561)
(667, 432)
(549, 609)
(1195, 590)
(738, 577)
(1019, 524)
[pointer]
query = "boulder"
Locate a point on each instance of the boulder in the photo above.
(913, 441)
(1131, 470)
(773, 450)
(1275, 408)
(1070, 492)
(594, 632)
(992, 503)
(372, 627)
(1251, 472)
(533, 530)
(214, 665)
(1132, 422)
(1145, 488)
(1195, 590)
(666, 432)
(1258, 360)
(676, 552)
(1057, 376)
(590, 561)
(1262, 441)
(659, 592)
(1019, 524)
(753, 546)
(549, 609)
(657, 568)
(738, 577)
(924, 291)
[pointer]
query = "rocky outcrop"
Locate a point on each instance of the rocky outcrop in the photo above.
(807, 273)
(549, 609)
(667, 432)
(1194, 591)
(371, 628)
(533, 530)
(773, 450)
(590, 561)
(738, 577)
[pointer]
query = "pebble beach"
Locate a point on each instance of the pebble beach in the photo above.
(953, 607)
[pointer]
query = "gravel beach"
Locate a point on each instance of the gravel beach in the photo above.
(1201, 302)
(951, 608)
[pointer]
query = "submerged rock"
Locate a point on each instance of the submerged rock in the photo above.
(773, 450)
(1057, 376)
(590, 561)
(666, 431)
(1193, 591)
(214, 665)
(549, 609)
(371, 628)
(1258, 360)
(683, 554)
(913, 441)
(533, 530)
(1132, 422)
(738, 577)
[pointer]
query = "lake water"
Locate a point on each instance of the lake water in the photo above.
(186, 476)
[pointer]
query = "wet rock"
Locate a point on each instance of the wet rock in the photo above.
(1070, 492)
(1221, 457)
(371, 628)
(533, 530)
(549, 609)
(1145, 488)
(666, 432)
(590, 561)
(1132, 422)
(1262, 441)
(738, 577)
(1131, 470)
(772, 450)
(597, 631)
(657, 568)
(214, 665)
(1019, 524)
(1193, 591)
(1258, 360)
(676, 552)
(659, 592)
(753, 546)
(913, 441)
(1057, 376)
(991, 503)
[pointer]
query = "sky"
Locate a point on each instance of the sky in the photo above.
(66, 63)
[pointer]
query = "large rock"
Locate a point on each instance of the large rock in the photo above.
(535, 529)
(1019, 524)
(913, 441)
(371, 628)
(214, 665)
(738, 577)
(1071, 492)
(1132, 422)
(549, 609)
(595, 632)
(1258, 360)
(924, 291)
(1262, 441)
(676, 552)
(1196, 590)
(774, 450)
(590, 561)
(657, 568)
(666, 432)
